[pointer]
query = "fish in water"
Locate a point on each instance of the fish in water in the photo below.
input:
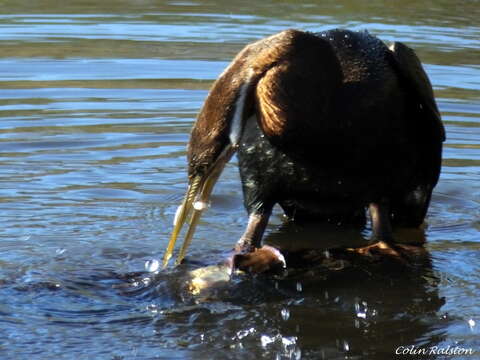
(327, 125)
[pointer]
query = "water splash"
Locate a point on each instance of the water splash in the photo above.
(152, 308)
(200, 205)
(266, 340)
(362, 315)
(243, 333)
(361, 309)
(285, 347)
(152, 265)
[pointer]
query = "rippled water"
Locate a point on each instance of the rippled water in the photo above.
(96, 103)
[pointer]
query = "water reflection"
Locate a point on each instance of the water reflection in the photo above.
(97, 102)
(314, 311)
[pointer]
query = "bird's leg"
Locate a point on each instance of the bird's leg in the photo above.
(381, 227)
(249, 256)
(252, 237)
(382, 238)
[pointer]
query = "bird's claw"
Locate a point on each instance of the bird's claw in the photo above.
(381, 249)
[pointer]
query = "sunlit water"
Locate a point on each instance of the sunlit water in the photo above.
(96, 103)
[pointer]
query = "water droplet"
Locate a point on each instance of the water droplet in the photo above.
(60, 251)
(346, 36)
(357, 307)
(200, 205)
(285, 314)
(289, 341)
(243, 333)
(152, 265)
(362, 315)
(298, 354)
(152, 308)
(299, 286)
(471, 323)
(346, 347)
(326, 295)
(266, 340)
(326, 253)
(276, 285)
(337, 299)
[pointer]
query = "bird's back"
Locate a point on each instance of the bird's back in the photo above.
(348, 149)
(360, 113)
(370, 106)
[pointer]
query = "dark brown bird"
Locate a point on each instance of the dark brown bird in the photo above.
(325, 124)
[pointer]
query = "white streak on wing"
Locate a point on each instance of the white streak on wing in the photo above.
(392, 47)
(236, 125)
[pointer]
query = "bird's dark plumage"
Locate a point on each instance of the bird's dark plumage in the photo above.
(326, 125)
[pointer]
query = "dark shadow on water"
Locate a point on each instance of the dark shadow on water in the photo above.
(330, 306)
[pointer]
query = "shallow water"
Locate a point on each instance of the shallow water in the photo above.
(96, 103)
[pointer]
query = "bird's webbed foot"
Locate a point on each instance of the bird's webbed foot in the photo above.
(260, 260)
(383, 244)
(381, 249)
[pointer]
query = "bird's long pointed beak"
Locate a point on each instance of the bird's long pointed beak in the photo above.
(194, 203)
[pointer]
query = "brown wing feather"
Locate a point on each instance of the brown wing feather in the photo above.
(294, 94)
(266, 70)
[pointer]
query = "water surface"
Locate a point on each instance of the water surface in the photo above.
(96, 102)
